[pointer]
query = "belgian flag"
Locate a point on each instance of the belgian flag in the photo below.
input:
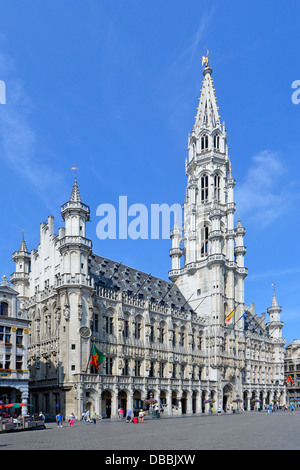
(96, 357)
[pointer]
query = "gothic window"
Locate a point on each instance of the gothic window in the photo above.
(162, 369)
(4, 309)
(125, 370)
(162, 333)
(138, 328)
(96, 323)
(137, 368)
(109, 325)
(216, 141)
(204, 241)
(182, 337)
(204, 142)
(174, 336)
(109, 365)
(152, 333)
(126, 328)
(151, 370)
(217, 191)
(204, 188)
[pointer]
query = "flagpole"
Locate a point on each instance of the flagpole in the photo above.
(93, 341)
(200, 303)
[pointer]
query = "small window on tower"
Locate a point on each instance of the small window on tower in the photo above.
(216, 141)
(204, 188)
(217, 183)
(204, 241)
(204, 142)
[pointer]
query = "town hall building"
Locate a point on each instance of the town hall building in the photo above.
(187, 342)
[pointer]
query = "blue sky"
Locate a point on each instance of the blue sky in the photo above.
(113, 87)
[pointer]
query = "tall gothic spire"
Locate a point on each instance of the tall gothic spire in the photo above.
(208, 110)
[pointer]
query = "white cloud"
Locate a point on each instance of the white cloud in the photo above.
(18, 139)
(264, 196)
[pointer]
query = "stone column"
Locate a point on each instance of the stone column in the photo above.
(169, 403)
(114, 403)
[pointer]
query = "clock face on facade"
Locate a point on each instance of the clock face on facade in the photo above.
(84, 331)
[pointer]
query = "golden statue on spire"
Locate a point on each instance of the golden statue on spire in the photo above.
(205, 59)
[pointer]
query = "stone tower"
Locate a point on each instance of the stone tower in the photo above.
(212, 273)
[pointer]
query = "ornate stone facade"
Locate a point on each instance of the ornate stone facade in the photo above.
(169, 340)
(14, 374)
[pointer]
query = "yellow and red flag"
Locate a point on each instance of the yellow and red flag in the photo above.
(229, 317)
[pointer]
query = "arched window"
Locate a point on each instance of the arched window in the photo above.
(217, 192)
(138, 328)
(4, 309)
(204, 142)
(108, 323)
(204, 241)
(162, 335)
(204, 188)
(216, 141)
(182, 341)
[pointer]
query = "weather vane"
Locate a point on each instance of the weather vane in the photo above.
(75, 169)
(205, 58)
(273, 284)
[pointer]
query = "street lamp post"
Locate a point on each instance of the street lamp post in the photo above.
(151, 406)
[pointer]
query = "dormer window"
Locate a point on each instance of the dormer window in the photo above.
(4, 309)
(204, 142)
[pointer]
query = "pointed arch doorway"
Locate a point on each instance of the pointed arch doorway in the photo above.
(227, 396)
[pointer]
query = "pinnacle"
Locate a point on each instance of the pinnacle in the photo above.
(75, 195)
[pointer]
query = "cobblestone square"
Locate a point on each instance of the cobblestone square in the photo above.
(244, 431)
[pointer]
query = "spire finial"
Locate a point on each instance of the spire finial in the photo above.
(273, 284)
(75, 169)
(23, 246)
(205, 59)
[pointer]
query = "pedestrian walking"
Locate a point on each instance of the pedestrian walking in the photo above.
(128, 416)
(121, 413)
(85, 416)
(94, 417)
(71, 419)
(59, 420)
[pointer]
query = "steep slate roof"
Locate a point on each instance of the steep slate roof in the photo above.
(114, 275)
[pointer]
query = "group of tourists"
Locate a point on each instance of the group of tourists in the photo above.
(138, 415)
(86, 418)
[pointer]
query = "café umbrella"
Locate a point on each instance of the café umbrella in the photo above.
(16, 405)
